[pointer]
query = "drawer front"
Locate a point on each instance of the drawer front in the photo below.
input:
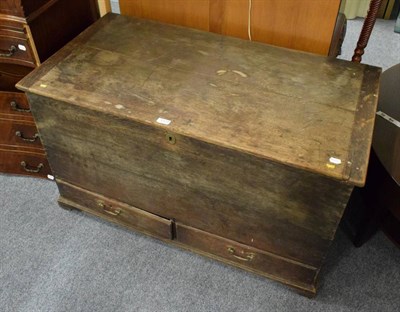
(12, 30)
(279, 268)
(23, 162)
(10, 74)
(10, 26)
(114, 211)
(16, 104)
(16, 50)
(19, 132)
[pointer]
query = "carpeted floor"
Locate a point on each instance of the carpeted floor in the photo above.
(55, 260)
(383, 48)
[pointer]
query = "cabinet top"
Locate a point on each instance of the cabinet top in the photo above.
(296, 108)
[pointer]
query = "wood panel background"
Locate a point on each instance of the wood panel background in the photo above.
(305, 25)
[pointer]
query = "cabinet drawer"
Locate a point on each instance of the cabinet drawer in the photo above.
(10, 74)
(19, 132)
(16, 50)
(16, 104)
(23, 162)
(12, 30)
(114, 211)
(9, 22)
(273, 266)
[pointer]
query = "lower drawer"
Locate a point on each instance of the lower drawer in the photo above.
(10, 74)
(19, 132)
(290, 272)
(117, 212)
(24, 162)
(15, 103)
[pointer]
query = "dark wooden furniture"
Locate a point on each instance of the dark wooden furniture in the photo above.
(30, 31)
(239, 151)
(377, 205)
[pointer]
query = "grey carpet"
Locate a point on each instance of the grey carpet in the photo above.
(55, 260)
(383, 48)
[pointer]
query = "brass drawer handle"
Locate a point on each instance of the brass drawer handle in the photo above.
(15, 107)
(10, 52)
(247, 256)
(36, 170)
(21, 135)
(109, 209)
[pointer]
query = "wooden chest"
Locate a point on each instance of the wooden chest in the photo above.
(237, 150)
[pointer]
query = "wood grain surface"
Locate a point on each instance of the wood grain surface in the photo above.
(300, 276)
(289, 272)
(114, 211)
(10, 74)
(189, 13)
(295, 24)
(178, 181)
(18, 132)
(11, 158)
(291, 23)
(68, 17)
(251, 151)
(290, 107)
(15, 104)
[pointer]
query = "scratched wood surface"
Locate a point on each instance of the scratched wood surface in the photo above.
(179, 181)
(290, 213)
(245, 159)
(287, 106)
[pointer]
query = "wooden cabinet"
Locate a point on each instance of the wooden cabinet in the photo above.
(237, 150)
(30, 32)
(306, 25)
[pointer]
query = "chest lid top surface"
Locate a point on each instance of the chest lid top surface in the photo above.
(299, 109)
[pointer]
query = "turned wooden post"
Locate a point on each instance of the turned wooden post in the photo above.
(366, 30)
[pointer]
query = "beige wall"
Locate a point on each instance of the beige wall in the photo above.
(104, 6)
(356, 8)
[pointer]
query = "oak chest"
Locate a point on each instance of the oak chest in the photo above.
(237, 150)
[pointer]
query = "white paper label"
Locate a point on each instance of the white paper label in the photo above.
(163, 121)
(22, 47)
(335, 160)
(50, 177)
